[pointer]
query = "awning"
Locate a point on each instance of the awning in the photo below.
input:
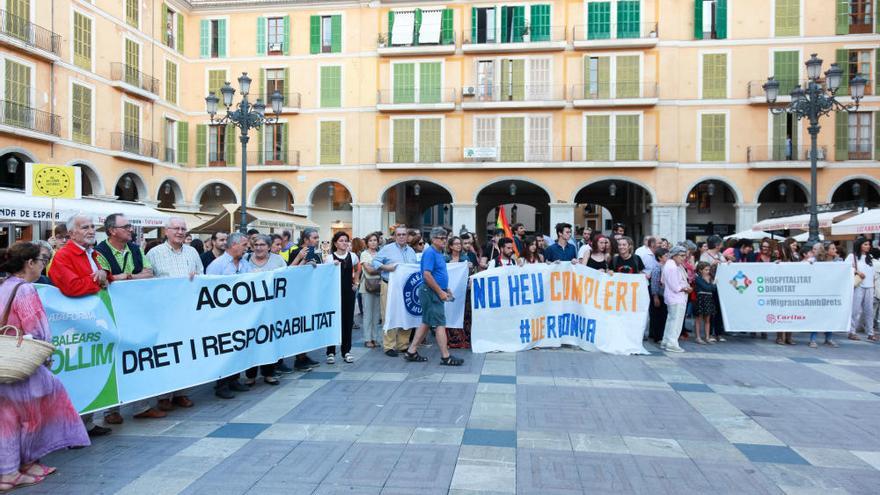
(429, 31)
(402, 30)
(865, 223)
(192, 219)
(800, 222)
(18, 207)
(754, 235)
(805, 236)
(229, 218)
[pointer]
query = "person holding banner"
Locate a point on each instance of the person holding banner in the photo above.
(657, 313)
(386, 260)
(36, 415)
(350, 272)
(433, 294)
(562, 249)
(263, 260)
(863, 293)
(307, 255)
(625, 261)
(531, 255)
(505, 257)
(675, 293)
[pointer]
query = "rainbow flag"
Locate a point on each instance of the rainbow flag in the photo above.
(503, 224)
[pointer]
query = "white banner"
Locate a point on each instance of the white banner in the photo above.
(518, 308)
(785, 297)
(403, 309)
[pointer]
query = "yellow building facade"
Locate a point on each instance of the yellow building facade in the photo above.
(644, 112)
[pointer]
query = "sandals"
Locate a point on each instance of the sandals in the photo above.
(414, 357)
(271, 380)
(780, 342)
(44, 470)
(451, 361)
(831, 343)
(8, 486)
(813, 345)
(700, 341)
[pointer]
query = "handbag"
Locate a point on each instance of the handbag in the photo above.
(857, 279)
(373, 285)
(19, 358)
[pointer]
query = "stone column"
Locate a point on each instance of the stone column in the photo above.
(668, 220)
(559, 213)
(366, 218)
(304, 209)
(464, 214)
(746, 216)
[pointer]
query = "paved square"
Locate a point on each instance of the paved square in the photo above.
(746, 416)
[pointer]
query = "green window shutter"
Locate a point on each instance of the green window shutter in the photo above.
(201, 144)
(331, 86)
(842, 59)
(712, 138)
(540, 22)
(628, 18)
(714, 75)
(447, 33)
(390, 26)
(286, 41)
(180, 32)
(519, 79)
(698, 19)
(221, 38)
(513, 141)
(171, 81)
(82, 114)
(599, 20)
(287, 99)
(82, 41)
(183, 143)
(474, 24)
(626, 138)
(429, 140)
(777, 150)
(261, 136)
(261, 35)
(404, 83)
(876, 135)
(627, 85)
(204, 39)
(787, 17)
(721, 19)
(284, 143)
(505, 29)
(785, 70)
(587, 92)
(315, 34)
(262, 87)
(519, 24)
(331, 142)
(164, 22)
(876, 70)
(230, 145)
(841, 136)
(598, 137)
(417, 22)
(603, 85)
(404, 141)
(429, 82)
(842, 11)
(336, 33)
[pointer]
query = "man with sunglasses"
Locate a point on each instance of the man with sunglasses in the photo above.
(125, 260)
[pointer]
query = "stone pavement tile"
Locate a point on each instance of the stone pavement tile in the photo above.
(572, 364)
(399, 414)
(365, 465)
(191, 429)
(845, 375)
(214, 447)
(425, 377)
(547, 472)
(354, 375)
(388, 377)
(436, 436)
(775, 454)
(762, 373)
(831, 458)
(286, 431)
(548, 440)
(308, 463)
(239, 430)
(690, 387)
(422, 491)
(731, 422)
(336, 411)
(736, 478)
(424, 467)
(871, 458)
(496, 388)
(330, 489)
(171, 475)
(489, 438)
(609, 473)
(460, 378)
(669, 370)
(445, 414)
(335, 433)
(806, 479)
(385, 434)
(701, 450)
(241, 470)
(668, 475)
(344, 390)
(535, 380)
(487, 455)
(319, 375)
(811, 360)
(608, 444)
(497, 367)
(472, 478)
(291, 487)
(497, 379)
(144, 428)
(658, 447)
(421, 392)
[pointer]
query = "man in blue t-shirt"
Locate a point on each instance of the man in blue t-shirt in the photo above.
(433, 294)
(563, 249)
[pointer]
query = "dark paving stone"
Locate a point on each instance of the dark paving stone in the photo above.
(424, 467)
(243, 469)
(809, 360)
(547, 472)
(497, 379)
(239, 430)
(319, 375)
(760, 373)
(690, 387)
(770, 453)
(308, 463)
(489, 438)
(335, 411)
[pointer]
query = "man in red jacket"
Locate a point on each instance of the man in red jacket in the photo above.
(76, 272)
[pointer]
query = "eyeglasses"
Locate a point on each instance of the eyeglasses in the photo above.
(178, 229)
(421, 243)
(87, 227)
(260, 244)
(43, 259)
(441, 238)
(127, 226)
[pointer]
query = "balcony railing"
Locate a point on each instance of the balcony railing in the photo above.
(783, 153)
(170, 155)
(134, 77)
(416, 96)
(523, 34)
(17, 115)
(385, 40)
(292, 99)
(522, 152)
(29, 33)
(130, 143)
(620, 31)
(431, 154)
(620, 89)
(273, 157)
(786, 86)
(514, 92)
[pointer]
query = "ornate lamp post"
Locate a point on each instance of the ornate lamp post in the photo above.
(245, 116)
(812, 102)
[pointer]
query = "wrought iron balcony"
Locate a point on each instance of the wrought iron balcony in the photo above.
(386, 41)
(619, 93)
(29, 34)
(273, 157)
(25, 117)
(621, 33)
(522, 38)
(133, 144)
(427, 154)
(783, 153)
(292, 101)
(513, 96)
(416, 98)
(520, 154)
(133, 77)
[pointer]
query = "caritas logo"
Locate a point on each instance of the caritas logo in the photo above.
(774, 319)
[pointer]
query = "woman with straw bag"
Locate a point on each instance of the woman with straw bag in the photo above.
(36, 415)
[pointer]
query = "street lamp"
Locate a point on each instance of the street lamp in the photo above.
(245, 116)
(813, 102)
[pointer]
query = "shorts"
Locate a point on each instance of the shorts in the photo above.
(433, 309)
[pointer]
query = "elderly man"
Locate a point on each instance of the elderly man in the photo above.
(386, 261)
(646, 253)
(125, 260)
(218, 246)
(76, 272)
(175, 259)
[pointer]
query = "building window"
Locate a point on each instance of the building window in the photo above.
(81, 114)
(713, 137)
(859, 135)
(416, 82)
(217, 145)
(18, 95)
(170, 23)
(275, 35)
(855, 16)
(785, 138)
(131, 12)
(275, 81)
(215, 38)
(170, 138)
(416, 140)
(132, 63)
(171, 81)
(82, 41)
(860, 63)
(484, 29)
(710, 19)
(326, 34)
(331, 86)
(715, 75)
(216, 80)
(788, 17)
(331, 142)
(131, 127)
(274, 144)
(212, 38)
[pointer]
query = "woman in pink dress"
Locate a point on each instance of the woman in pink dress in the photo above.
(36, 415)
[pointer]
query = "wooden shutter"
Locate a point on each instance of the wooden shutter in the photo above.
(513, 139)
(598, 137)
(183, 143)
(315, 34)
(284, 157)
(842, 11)
(164, 24)
(777, 150)
(403, 150)
(221, 38)
(429, 140)
(604, 78)
(404, 82)
(586, 62)
(626, 137)
(171, 81)
(841, 136)
(628, 19)
(229, 140)
(627, 84)
(712, 131)
(331, 86)
(877, 135)
(390, 25)
(599, 20)
(447, 32)
(417, 23)
(540, 22)
(721, 19)
(331, 142)
(474, 24)
(261, 35)
(519, 23)
(287, 99)
(201, 144)
(204, 38)
(336, 33)
(842, 59)
(286, 41)
(698, 19)
(715, 75)
(180, 32)
(429, 82)
(785, 70)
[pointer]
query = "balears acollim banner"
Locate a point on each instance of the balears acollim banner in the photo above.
(785, 297)
(143, 338)
(518, 308)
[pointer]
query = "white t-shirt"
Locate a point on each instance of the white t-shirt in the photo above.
(867, 271)
(494, 262)
(585, 250)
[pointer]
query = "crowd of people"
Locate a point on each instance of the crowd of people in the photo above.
(36, 414)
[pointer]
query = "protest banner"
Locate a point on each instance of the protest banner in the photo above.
(785, 297)
(143, 338)
(403, 309)
(518, 308)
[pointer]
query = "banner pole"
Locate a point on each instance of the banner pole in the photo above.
(53, 218)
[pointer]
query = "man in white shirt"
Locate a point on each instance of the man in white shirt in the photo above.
(646, 253)
(505, 245)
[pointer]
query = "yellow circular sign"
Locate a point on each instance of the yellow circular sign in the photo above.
(52, 181)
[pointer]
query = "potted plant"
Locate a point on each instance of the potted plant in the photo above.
(526, 33)
(382, 41)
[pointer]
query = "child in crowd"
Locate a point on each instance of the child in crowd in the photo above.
(705, 308)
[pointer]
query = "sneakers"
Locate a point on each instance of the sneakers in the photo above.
(283, 369)
(391, 353)
(348, 358)
(302, 366)
(671, 348)
(331, 359)
(813, 344)
(311, 362)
